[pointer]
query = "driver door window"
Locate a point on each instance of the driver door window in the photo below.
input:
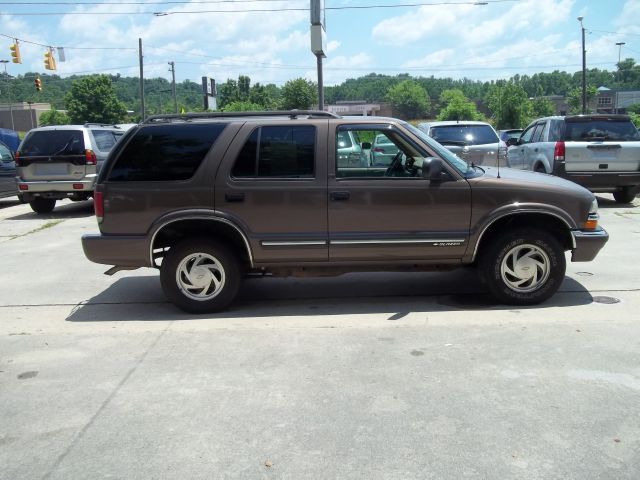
(375, 153)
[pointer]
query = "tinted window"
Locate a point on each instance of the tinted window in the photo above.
(555, 133)
(105, 139)
(278, 151)
(165, 152)
(53, 142)
(464, 134)
(600, 129)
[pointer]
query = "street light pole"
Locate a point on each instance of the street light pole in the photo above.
(619, 44)
(584, 70)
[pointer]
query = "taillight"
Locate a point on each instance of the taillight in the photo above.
(90, 157)
(558, 152)
(16, 157)
(98, 205)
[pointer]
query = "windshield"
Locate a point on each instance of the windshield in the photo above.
(449, 156)
(464, 134)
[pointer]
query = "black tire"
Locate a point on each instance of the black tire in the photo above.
(211, 288)
(540, 168)
(508, 262)
(42, 205)
(625, 194)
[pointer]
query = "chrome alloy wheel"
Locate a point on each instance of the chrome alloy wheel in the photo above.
(525, 268)
(200, 276)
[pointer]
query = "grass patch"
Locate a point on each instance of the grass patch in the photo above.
(49, 224)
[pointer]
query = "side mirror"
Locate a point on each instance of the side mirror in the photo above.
(513, 141)
(432, 169)
(366, 146)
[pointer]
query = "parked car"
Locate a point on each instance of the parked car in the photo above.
(474, 142)
(351, 152)
(62, 162)
(383, 151)
(10, 138)
(8, 186)
(599, 152)
(210, 198)
(505, 135)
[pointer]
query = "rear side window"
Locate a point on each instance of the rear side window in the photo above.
(464, 135)
(160, 153)
(105, 139)
(600, 130)
(53, 142)
(277, 152)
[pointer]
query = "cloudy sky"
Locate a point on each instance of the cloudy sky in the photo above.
(268, 40)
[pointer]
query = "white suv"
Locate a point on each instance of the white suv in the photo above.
(62, 162)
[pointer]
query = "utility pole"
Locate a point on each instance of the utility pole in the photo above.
(173, 85)
(619, 44)
(318, 42)
(584, 70)
(140, 57)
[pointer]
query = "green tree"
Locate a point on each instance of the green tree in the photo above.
(457, 106)
(574, 99)
(54, 117)
(409, 99)
(298, 93)
(92, 99)
(541, 107)
(509, 105)
(239, 106)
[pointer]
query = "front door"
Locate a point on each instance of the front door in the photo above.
(390, 213)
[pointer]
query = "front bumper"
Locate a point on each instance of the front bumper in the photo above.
(587, 244)
(119, 250)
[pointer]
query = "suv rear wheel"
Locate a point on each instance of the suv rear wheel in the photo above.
(43, 205)
(200, 276)
(625, 194)
(525, 267)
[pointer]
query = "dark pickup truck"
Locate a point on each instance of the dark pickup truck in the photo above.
(211, 198)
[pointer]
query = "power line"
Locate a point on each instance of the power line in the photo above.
(179, 2)
(258, 10)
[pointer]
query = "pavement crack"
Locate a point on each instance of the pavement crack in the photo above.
(105, 403)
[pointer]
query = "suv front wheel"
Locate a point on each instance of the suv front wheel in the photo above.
(525, 267)
(200, 276)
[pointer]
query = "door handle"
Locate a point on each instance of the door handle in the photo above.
(234, 197)
(337, 196)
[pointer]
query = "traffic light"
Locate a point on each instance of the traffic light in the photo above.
(49, 60)
(38, 83)
(15, 53)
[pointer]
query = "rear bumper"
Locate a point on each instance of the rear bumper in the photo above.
(61, 186)
(120, 250)
(596, 181)
(587, 244)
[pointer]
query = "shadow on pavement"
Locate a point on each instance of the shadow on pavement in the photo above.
(140, 298)
(609, 202)
(66, 210)
(8, 202)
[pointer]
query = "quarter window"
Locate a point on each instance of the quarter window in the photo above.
(165, 152)
(277, 152)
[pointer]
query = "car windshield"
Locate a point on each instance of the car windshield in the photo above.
(449, 156)
(595, 129)
(464, 134)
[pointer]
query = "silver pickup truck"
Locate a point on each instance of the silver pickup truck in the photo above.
(599, 152)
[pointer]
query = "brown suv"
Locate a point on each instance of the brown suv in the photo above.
(210, 198)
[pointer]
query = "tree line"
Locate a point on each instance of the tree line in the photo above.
(507, 103)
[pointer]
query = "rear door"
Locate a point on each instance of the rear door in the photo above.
(7, 172)
(273, 183)
(533, 150)
(601, 144)
(55, 154)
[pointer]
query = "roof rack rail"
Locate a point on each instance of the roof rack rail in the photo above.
(98, 124)
(272, 113)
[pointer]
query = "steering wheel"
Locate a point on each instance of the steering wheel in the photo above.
(395, 165)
